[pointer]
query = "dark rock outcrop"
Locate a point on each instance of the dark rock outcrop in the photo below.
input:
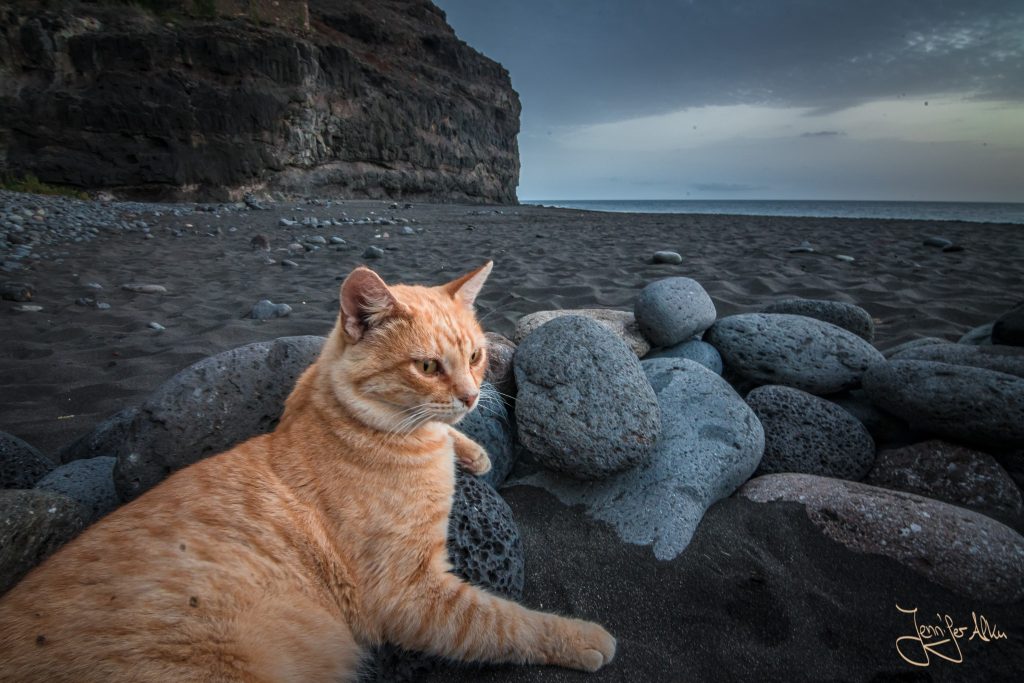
(371, 100)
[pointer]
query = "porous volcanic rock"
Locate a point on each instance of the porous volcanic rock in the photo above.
(621, 323)
(848, 316)
(33, 524)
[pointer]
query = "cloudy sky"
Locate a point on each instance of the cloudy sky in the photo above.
(776, 99)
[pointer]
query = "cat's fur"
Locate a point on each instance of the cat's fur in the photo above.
(283, 558)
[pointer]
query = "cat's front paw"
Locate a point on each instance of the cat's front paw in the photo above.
(473, 458)
(590, 646)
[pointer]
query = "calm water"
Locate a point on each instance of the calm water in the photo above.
(932, 211)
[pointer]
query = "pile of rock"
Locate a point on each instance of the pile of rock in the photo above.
(644, 420)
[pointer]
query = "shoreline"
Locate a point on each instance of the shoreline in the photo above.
(67, 367)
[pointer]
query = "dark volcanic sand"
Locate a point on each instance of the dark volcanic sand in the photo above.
(64, 369)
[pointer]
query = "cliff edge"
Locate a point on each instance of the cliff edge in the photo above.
(211, 100)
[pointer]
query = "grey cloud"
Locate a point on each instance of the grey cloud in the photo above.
(823, 134)
(587, 61)
(726, 187)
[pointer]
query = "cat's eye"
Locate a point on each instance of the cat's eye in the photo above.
(428, 367)
(475, 357)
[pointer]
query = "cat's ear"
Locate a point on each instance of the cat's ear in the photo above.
(366, 302)
(466, 288)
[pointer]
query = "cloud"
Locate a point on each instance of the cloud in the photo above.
(587, 61)
(726, 188)
(823, 134)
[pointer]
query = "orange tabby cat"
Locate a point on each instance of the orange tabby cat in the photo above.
(285, 557)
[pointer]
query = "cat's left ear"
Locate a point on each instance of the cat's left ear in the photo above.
(466, 288)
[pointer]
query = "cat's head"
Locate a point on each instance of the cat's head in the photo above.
(406, 354)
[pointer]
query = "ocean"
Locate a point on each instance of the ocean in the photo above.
(978, 212)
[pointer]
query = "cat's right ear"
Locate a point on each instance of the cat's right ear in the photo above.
(365, 302)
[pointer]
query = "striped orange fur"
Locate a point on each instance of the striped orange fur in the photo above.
(285, 557)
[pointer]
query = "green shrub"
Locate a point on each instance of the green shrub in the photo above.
(30, 183)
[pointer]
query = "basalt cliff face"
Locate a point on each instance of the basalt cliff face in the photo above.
(354, 98)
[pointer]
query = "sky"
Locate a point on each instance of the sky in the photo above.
(785, 99)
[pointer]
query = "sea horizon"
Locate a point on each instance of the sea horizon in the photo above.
(975, 212)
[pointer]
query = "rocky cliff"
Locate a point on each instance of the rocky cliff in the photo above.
(376, 98)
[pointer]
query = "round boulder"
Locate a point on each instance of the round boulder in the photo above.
(970, 405)
(695, 350)
(21, 465)
(980, 335)
(209, 407)
(913, 343)
(809, 435)
(621, 323)
(1008, 359)
(673, 310)
(793, 350)
(89, 482)
(952, 473)
(584, 406)
(489, 426)
(485, 550)
(33, 524)
(848, 316)
(105, 439)
(966, 552)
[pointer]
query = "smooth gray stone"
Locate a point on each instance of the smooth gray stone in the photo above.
(89, 482)
(670, 257)
(209, 407)
(584, 406)
(969, 405)
(695, 350)
(978, 336)
(711, 443)
(265, 309)
(913, 343)
(848, 316)
(673, 310)
(809, 435)
(969, 553)
(1008, 359)
(33, 524)
(21, 464)
(793, 350)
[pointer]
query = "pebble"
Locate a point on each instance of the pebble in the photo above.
(287, 223)
(27, 308)
(156, 326)
(139, 288)
(940, 242)
(843, 257)
(406, 230)
(804, 248)
(337, 240)
(265, 309)
(316, 239)
(288, 263)
(373, 252)
(669, 257)
(980, 335)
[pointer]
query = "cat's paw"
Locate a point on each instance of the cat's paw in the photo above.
(590, 646)
(473, 458)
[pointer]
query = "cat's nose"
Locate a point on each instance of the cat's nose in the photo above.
(469, 398)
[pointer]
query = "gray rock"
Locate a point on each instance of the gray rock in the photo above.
(156, 326)
(406, 230)
(884, 428)
(265, 309)
(287, 223)
(500, 373)
(914, 343)
(210, 406)
(951, 473)
(804, 248)
(670, 257)
(980, 335)
(27, 308)
(1008, 329)
(316, 239)
(964, 551)
(337, 240)
(373, 252)
(33, 524)
(940, 242)
(89, 482)
(489, 426)
(966, 404)
(106, 439)
(1008, 359)
(485, 550)
(793, 350)
(584, 406)
(848, 316)
(140, 288)
(695, 350)
(711, 443)
(622, 323)
(673, 310)
(16, 291)
(809, 435)
(288, 263)
(21, 465)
